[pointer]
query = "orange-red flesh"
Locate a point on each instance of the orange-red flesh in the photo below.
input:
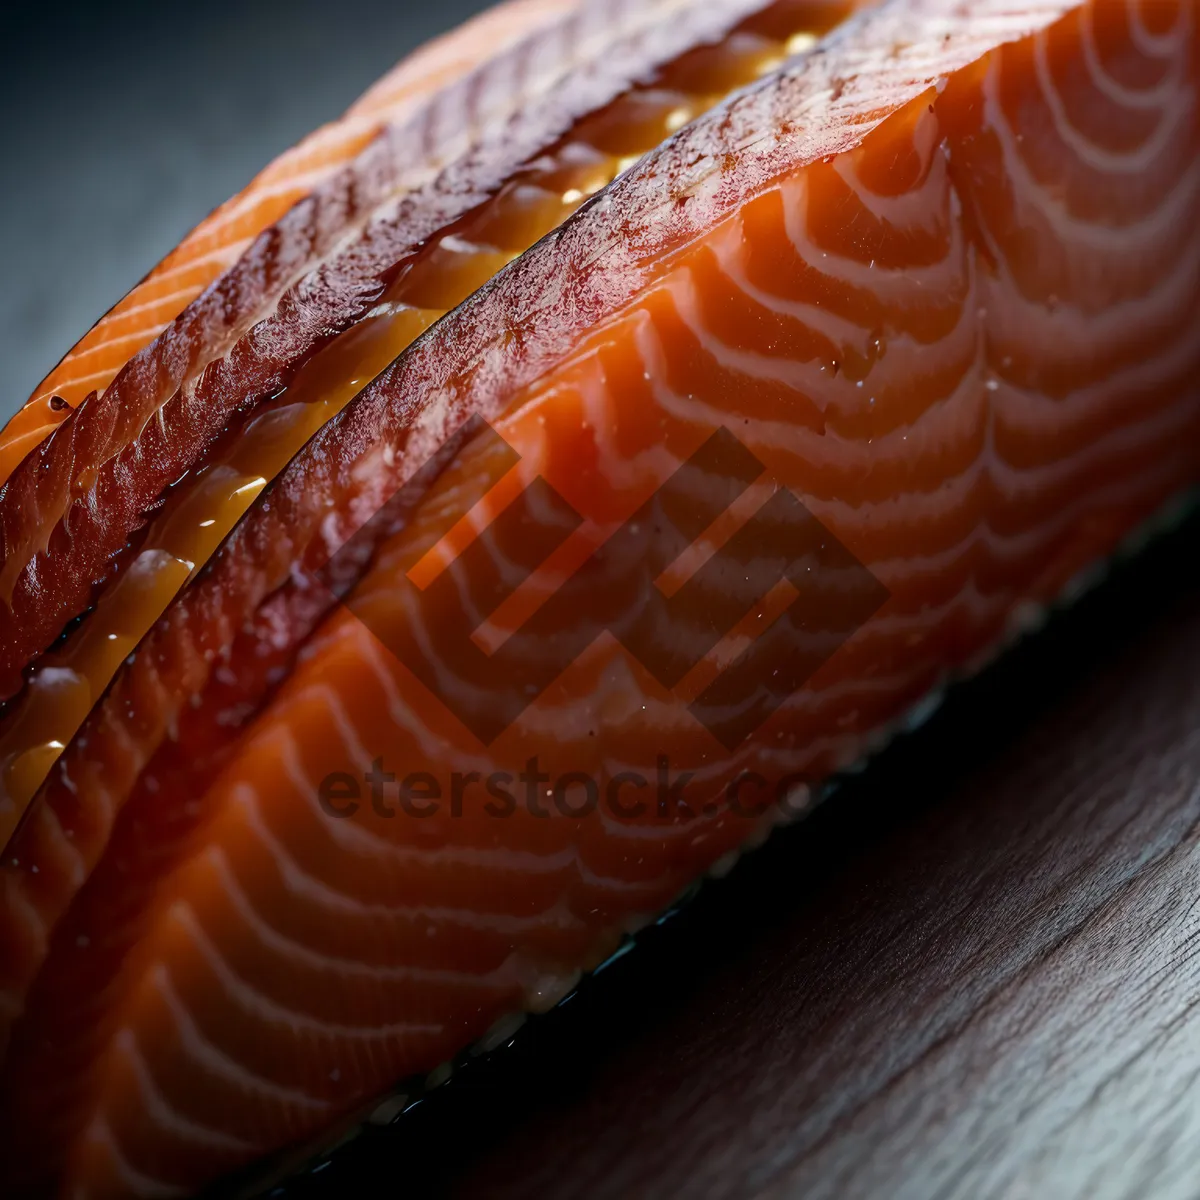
(74, 510)
(218, 241)
(62, 686)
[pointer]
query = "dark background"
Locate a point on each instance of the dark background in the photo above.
(974, 974)
(123, 124)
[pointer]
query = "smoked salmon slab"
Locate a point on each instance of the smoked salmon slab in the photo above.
(137, 487)
(217, 243)
(646, 457)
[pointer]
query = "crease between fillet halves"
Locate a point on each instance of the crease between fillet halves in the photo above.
(219, 241)
(427, 213)
(238, 342)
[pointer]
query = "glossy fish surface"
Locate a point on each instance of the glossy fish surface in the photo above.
(133, 493)
(219, 241)
(672, 515)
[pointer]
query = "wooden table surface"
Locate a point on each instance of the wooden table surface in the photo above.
(972, 973)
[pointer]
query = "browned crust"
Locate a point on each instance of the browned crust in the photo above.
(92, 484)
(528, 318)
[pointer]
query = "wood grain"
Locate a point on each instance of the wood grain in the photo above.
(973, 973)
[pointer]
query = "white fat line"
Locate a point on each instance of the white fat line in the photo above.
(1129, 240)
(19, 908)
(911, 208)
(878, 280)
(841, 331)
(1172, 117)
(275, 941)
(1156, 45)
(321, 894)
(215, 1061)
(289, 174)
(503, 862)
(262, 1008)
(160, 1111)
(789, 437)
(68, 855)
(1126, 97)
(136, 1182)
(353, 838)
(429, 744)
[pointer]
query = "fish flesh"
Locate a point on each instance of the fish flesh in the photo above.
(648, 528)
(219, 241)
(135, 490)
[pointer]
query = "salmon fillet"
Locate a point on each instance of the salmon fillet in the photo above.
(221, 239)
(674, 517)
(135, 491)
